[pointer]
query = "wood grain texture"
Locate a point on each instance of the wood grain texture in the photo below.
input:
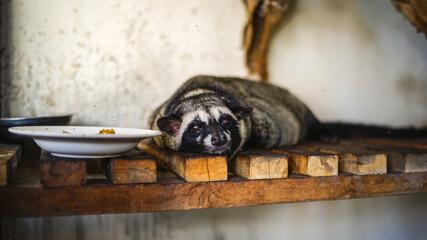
(33, 200)
(356, 160)
(311, 163)
(415, 11)
(399, 143)
(60, 172)
(132, 167)
(190, 166)
(260, 164)
(263, 17)
(399, 159)
(9, 157)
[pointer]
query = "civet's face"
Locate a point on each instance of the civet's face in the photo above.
(213, 130)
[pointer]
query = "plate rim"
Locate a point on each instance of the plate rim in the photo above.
(47, 116)
(80, 156)
(19, 130)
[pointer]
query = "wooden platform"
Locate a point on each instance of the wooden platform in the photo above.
(30, 199)
(117, 191)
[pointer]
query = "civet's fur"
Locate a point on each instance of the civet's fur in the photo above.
(257, 113)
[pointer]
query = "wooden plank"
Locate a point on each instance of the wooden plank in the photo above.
(311, 163)
(191, 167)
(61, 172)
(260, 164)
(354, 160)
(399, 159)
(9, 157)
(132, 167)
(33, 200)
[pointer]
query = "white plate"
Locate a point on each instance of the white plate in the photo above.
(84, 142)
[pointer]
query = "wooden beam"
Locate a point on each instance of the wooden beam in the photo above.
(399, 143)
(311, 163)
(61, 172)
(260, 164)
(9, 157)
(132, 167)
(191, 167)
(356, 160)
(32, 200)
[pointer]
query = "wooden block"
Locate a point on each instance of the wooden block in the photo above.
(399, 159)
(260, 164)
(132, 167)
(354, 160)
(61, 172)
(406, 161)
(9, 157)
(191, 167)
(312, 163)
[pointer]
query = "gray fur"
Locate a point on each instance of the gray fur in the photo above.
(278, 118)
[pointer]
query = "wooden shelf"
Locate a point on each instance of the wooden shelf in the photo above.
(30, 199)
(26, 196)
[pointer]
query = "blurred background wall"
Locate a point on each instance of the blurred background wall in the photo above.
(111, 62)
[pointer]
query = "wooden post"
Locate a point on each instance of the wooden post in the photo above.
(9, 157)
(60, 172)
(132, 167)
(191, 167)
(354, 160)
(260, 164)
(312, 163)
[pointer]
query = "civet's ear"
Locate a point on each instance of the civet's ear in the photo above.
(169, 125)
(242, 112)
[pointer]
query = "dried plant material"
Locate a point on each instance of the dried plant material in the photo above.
(263, 17)
(415, 11)
(65, 132)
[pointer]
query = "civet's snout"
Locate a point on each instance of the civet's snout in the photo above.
(218, 137)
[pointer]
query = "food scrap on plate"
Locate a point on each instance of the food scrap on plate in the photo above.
(107, 131)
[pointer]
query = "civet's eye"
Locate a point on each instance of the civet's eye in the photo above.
(195, 128)
(225, 122)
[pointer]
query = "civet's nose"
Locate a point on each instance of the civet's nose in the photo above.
(219, 139)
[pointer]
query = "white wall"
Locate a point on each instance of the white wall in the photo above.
(111, 62)
(355, 61)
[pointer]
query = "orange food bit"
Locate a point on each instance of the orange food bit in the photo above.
(107, 131)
